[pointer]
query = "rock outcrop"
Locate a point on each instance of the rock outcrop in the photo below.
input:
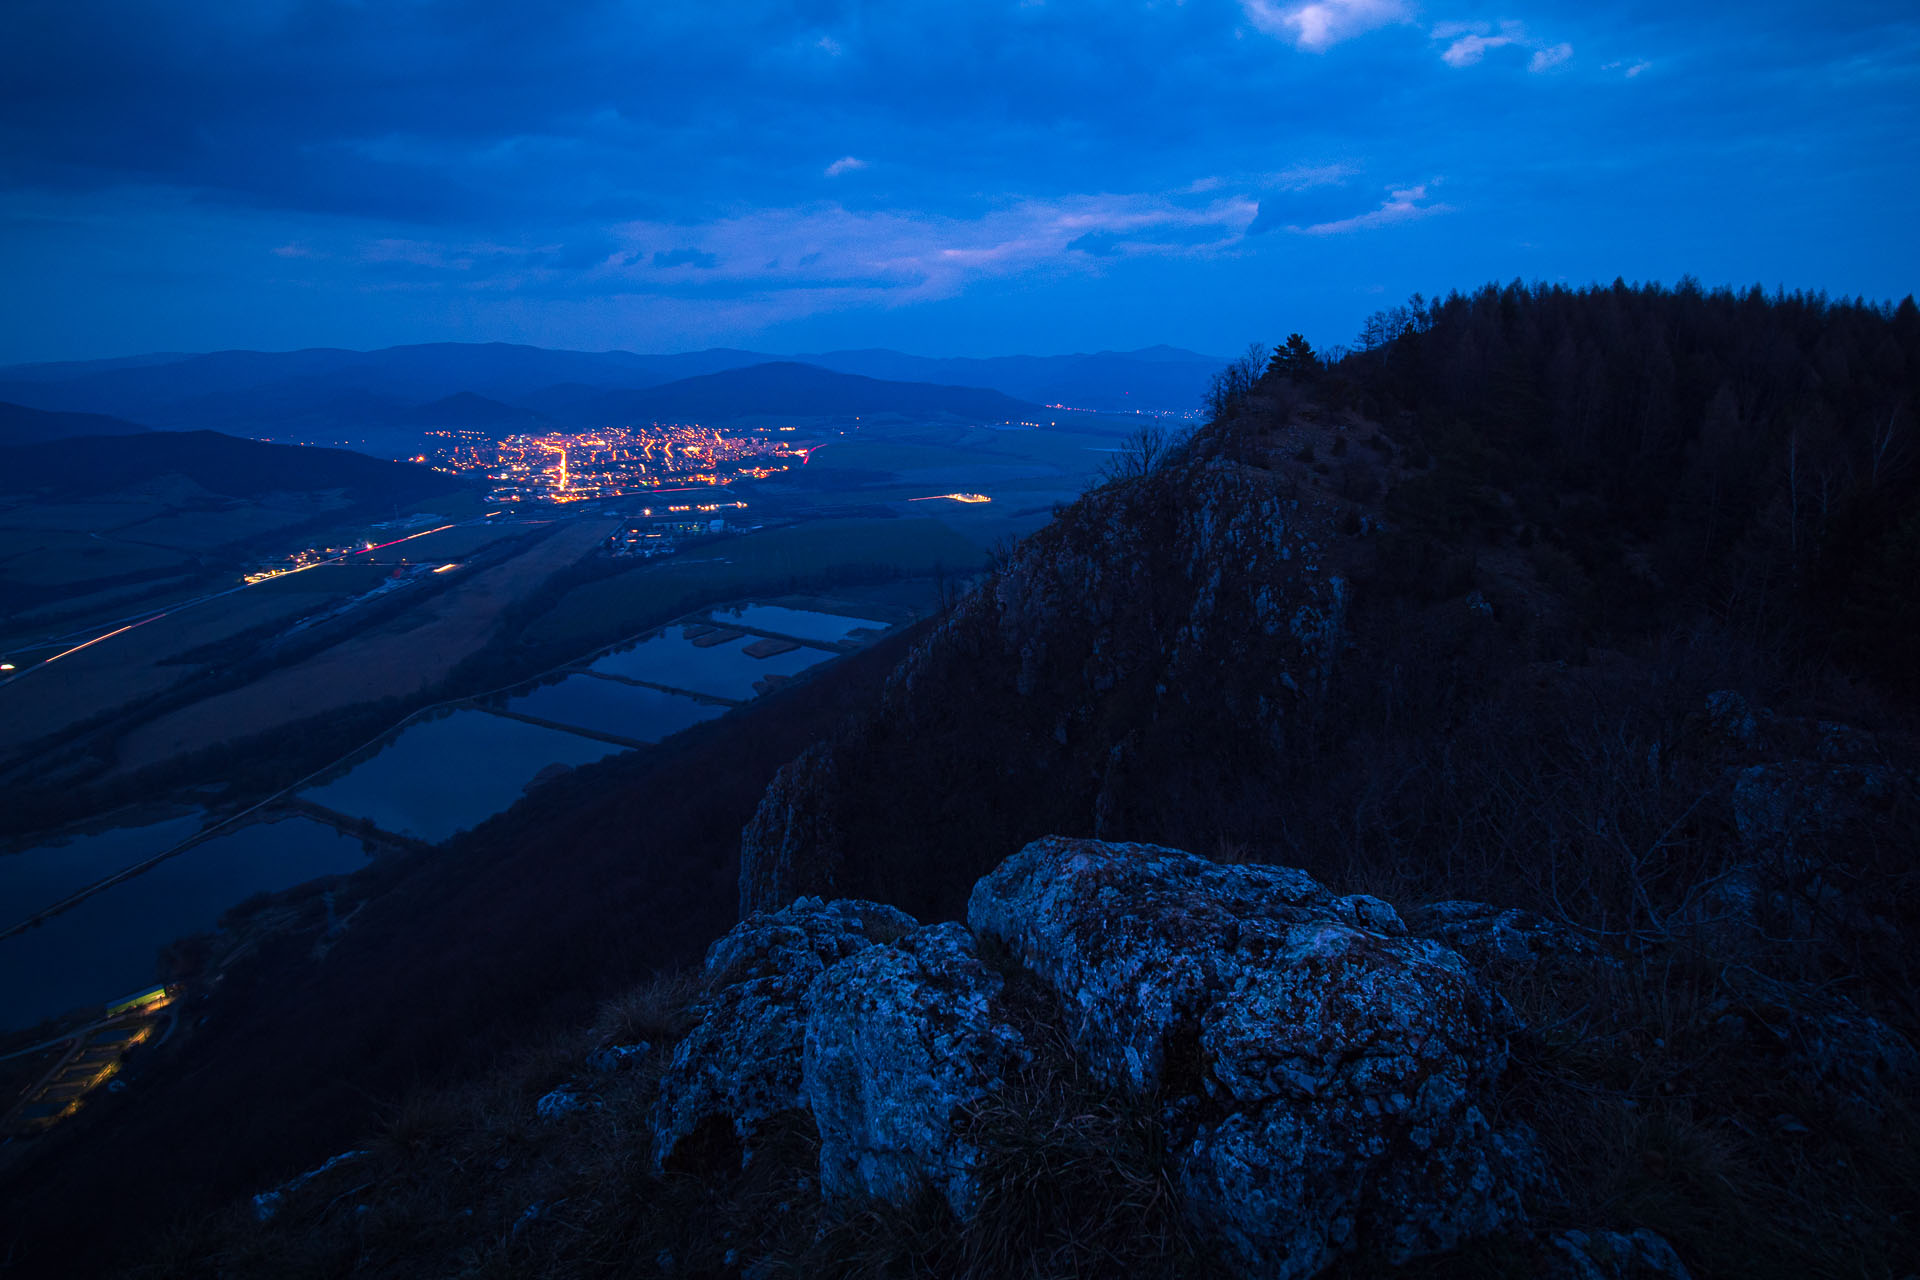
(1612, 1255)
(1503, 941)
(1322, 1077)
(901, 1040)
(1325, 1073)
(793, 844)
(740, 1065)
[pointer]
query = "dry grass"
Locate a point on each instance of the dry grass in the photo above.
(397, 659)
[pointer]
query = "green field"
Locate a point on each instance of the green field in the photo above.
(772, 561)
(43, 558)
(204, 530)
(463, 505)
(150, 594)
(84, 517)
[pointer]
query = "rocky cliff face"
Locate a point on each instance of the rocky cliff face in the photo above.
(1155, 626)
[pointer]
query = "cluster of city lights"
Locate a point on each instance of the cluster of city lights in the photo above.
(565, 467)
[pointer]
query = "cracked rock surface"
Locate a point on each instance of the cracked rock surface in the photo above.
(1324, 1073)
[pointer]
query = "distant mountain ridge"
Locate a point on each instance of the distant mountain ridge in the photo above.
(90, 465)
(21, 425)
(801, 390)
(438, 384)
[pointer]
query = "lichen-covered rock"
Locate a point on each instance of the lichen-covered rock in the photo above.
(1778, 804)
(609, 1058)
(1825, 1040)
(1727, 915)
(741, 1062)
(1612, 1255)
(563, 1101)
(1503, 941)
(1731, 721)
(1324, 1073)
(901, 1040)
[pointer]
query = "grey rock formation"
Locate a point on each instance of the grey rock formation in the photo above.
(741, 1062)
(609, 1058)
(1828, 1043)
(563, 1101)
(1612, 1255)
(1781, 803)
(901, 1040)
(1503, 941)
(1324, 1075)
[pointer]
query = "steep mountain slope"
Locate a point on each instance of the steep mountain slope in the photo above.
(1266, 640)
(21, 425)
(217, 463)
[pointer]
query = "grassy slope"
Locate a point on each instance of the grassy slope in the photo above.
(518, 928)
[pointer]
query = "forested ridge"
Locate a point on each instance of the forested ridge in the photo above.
(1748, 455)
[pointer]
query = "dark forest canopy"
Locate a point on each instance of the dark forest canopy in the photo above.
(1755, 455)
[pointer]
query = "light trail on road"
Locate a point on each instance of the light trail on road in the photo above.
(97, 639)
(24, 672)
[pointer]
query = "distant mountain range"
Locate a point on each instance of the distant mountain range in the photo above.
(21, 425)
(500, 386)
(800, 390)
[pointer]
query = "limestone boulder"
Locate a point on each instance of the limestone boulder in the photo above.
(1324, 1074)
(901, 1041)
(740, 1065)
(1612, 1255)
(1503, 941)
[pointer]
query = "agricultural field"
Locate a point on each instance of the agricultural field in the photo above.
(204, 530)
(451, 544)
(52, 558)
(79, 517)
(154, 591)
(768, 562)
(396, 659)
(138, 664)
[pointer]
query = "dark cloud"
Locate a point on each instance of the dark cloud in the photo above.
(505, 152)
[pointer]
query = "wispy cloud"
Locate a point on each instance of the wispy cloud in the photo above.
(1467, 43)
(1320, 24)
(1627, 69)
(1550, 57)
(845, 164)
(1405, 205)
(845, 257)
(1307, 177)
(1468, 50)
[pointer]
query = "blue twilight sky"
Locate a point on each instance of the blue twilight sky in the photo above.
(977, 177)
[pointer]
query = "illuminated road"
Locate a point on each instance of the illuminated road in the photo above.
(216, 595)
